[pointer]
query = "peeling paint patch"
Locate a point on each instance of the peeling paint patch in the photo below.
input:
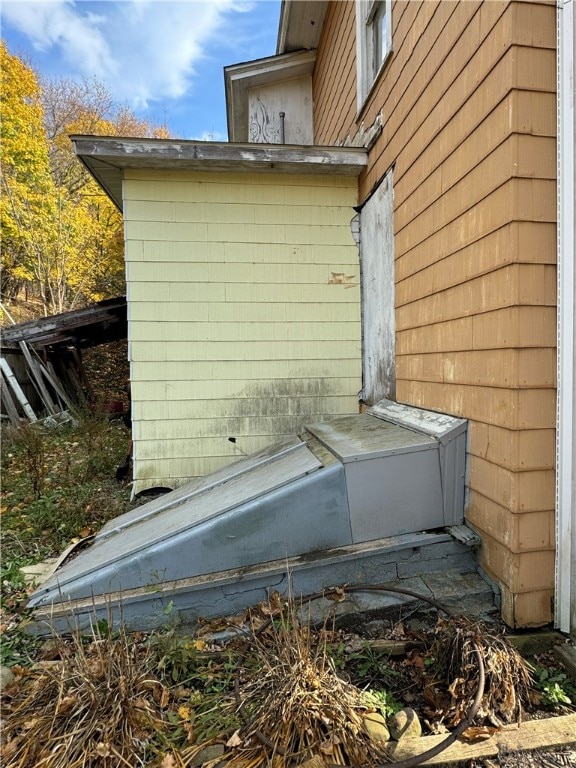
(341, 278)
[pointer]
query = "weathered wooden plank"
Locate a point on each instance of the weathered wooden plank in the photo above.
(566, 655)
(56, 386)
(80, 374)
(66, 326)
(394, 647)
(35, 369)
(154, 153)
(17, 389)
(9, 404)
(535, 734)
(526, 644)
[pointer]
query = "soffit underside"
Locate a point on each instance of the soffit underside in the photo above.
(300, 24)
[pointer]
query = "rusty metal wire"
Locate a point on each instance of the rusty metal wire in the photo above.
(467, 721)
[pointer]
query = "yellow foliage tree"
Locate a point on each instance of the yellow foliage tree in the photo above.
(27, 200)
(60, 232)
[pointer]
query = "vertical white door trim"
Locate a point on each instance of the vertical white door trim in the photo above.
(565, 603)
(378, 318)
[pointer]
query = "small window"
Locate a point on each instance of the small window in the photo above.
(373, 43)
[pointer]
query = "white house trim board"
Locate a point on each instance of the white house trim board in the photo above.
(377, 286)
(565, 605)
(373, 44)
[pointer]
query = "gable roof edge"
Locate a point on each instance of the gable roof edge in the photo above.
(300, 25)
(240, 78)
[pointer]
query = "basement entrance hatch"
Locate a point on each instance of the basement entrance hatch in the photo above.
(328, 505)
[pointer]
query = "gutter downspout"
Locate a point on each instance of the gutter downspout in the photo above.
(565, 604)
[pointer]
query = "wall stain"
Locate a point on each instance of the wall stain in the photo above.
(341, 278)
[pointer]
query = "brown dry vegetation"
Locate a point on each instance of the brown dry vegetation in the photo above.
(280, 694)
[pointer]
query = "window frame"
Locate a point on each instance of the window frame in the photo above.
(367, 71)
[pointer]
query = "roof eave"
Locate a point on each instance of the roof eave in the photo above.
(107, 157)
(300, 24)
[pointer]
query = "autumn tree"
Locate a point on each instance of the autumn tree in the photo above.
(86, 107)
(60, 232)
(26, 203)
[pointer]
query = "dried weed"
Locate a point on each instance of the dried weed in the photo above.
(508, 676)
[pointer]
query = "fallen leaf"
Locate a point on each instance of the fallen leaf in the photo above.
(66, 704)
(399, 632)
(8, 750)
(168, 761)
(478, 733)
(409, 697)
(165, 698)
(415, 660)
(95, 668)
(436, 728)
(272, 606)
(141, 703)
(327, 747)
(234, 740)
(180, 692)
(237, 620)
(210, 627)
(337, 594)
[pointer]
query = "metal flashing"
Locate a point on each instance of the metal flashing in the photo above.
(361, 437)
(349, 481)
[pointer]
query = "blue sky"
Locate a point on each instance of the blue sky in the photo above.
(163, 58)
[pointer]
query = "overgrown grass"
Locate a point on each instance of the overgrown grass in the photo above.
(57, 484)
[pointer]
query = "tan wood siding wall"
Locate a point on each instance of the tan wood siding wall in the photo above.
(468, 104)
(334, 81)
(244, 313)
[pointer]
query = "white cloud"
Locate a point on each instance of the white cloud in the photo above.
(58, 24)
(144, 50)
(158, 45)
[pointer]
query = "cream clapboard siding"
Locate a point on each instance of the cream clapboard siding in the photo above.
(244, 317)
(469, 125)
